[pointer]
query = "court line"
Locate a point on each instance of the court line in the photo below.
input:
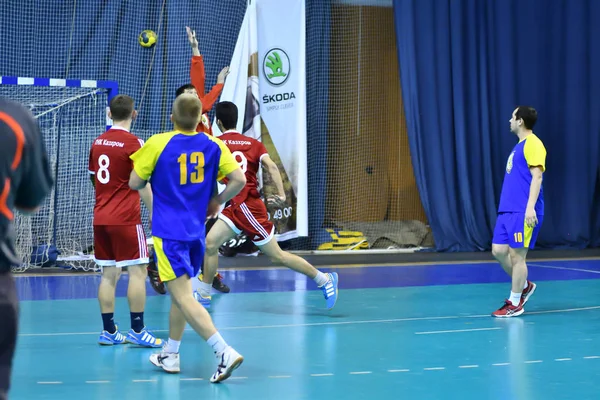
(472, 366)
(591, 271)
(457, 330)
(372, 321)
(332, 266)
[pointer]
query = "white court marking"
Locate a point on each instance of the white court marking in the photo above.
(591, 271)
(358, 322)
(473, 366)
(457, 331)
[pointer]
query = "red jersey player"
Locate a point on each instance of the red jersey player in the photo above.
(119, 239)
(197, 77)
(247, 213)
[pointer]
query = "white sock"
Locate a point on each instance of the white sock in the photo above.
(217, 342)
(526, 284)
(172, 346)
(321, 279)
(515, 298)
(204, 289)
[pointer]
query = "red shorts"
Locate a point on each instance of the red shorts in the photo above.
(120, 245)
(250, 217)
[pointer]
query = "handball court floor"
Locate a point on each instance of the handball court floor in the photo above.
(400, 330)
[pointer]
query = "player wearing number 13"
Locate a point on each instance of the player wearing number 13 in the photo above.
(521, 209)
(184, 166)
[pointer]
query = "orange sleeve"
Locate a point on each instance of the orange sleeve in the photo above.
(197, 75)
(211, 97)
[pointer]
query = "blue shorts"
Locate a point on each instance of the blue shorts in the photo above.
(511, 230)
(176, 258)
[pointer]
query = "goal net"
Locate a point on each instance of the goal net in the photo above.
(70, 118)
(372, 199)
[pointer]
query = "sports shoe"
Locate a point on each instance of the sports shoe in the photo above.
(169, 362)
(527, 292)
(219, 285)
(330, 290)
(229, 361)
(204, 300)
(508, 310)
(109, 339)
(155, 282)
(144, 338)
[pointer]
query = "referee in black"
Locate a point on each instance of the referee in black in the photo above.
(25, 181)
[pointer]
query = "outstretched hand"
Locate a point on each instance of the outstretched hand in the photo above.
(222, 75)
(191, 34)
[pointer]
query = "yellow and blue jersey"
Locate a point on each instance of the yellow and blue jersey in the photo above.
(182, 168)
(529, 152)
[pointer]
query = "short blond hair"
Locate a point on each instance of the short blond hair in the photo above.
(187, 112)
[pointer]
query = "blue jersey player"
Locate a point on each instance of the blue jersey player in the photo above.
(183, 167)
(521, 210)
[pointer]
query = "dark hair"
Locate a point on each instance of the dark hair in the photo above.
(121, 107)
(187, 111)
(528, 115)
(183, 88)
(227, 113)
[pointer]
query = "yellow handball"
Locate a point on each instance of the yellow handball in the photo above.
(147, 38)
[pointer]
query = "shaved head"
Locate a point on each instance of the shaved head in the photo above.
(187, 112)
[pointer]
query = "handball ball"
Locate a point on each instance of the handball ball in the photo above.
(147, 38)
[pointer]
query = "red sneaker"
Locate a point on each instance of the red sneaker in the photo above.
(527, 292)
(508, 310)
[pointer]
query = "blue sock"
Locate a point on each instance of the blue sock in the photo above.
(137, 321)
(109, 322)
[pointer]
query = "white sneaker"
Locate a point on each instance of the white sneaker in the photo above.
(229, 361)
(167, 361)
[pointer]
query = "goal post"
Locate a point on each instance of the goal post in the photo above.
(71, 113)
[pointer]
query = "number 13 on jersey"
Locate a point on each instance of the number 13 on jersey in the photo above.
(197, 161)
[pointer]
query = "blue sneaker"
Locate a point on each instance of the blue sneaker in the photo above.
(204, 300)
(330, 290)
(109, 339)
(144, 338)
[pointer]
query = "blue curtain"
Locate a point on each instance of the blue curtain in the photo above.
(464, 66)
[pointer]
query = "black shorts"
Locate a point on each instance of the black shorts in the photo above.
(9, 315)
